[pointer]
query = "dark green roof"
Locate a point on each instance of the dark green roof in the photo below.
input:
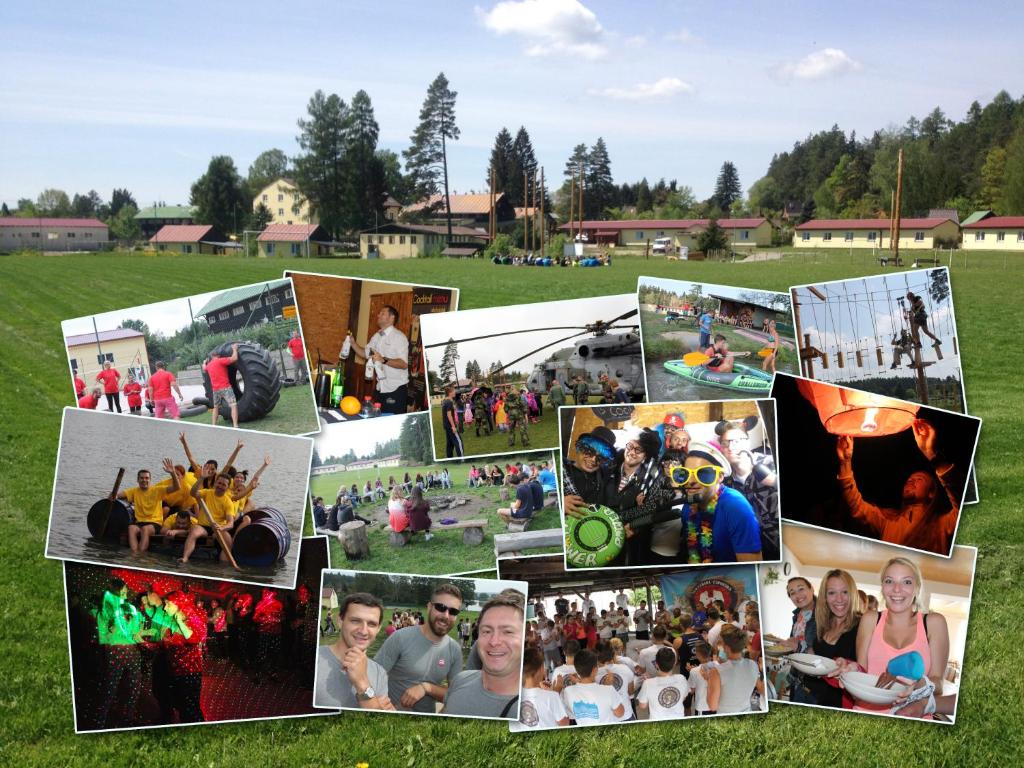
(976, 216)
(236, 295)
(166, 212)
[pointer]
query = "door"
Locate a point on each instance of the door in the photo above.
(400, 300)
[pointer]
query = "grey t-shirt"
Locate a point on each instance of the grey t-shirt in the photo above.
(467, 696)
(333, 688)
(409, 658)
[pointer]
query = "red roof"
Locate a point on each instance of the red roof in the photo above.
(461, 204)
(17, 221)
(998, 222)
(289, 233)
(618, 226)
(181, 233)
(881, 224)
(90, 338)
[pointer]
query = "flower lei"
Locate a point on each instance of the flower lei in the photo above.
(698, 530)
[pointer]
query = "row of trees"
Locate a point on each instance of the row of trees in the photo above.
(400, 590)
(976, 163)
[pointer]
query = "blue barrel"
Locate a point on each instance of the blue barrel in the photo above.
(264, 541)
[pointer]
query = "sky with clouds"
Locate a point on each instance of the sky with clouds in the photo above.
(142, 95)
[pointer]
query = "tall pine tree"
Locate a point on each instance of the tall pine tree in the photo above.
(727, 187)
(218, 197)
(365, 184)
(524, 161)
(599, 193)
(321, 171)
(502, 162)
(427, 156)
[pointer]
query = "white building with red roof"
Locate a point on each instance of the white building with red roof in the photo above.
(915, 234)
(125, 348)
(295, 240)
(42, 234)
(995, 233)
(192, 238)
(747, 232)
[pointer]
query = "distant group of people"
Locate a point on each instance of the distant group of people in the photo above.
(580, 666)
(420, 667)
(531, 259)
(680, 501)
(406, 505)
(157, 391)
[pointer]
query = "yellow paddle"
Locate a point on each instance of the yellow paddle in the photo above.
(699, 358)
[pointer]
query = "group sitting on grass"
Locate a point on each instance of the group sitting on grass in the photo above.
(192, 503)
(577, 670)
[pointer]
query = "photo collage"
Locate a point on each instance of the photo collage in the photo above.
(325, 493)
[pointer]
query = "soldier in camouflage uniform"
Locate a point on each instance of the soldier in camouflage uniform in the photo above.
(581, 391)
(515, 409)
(607, 393)
(556, 396)
(480, 412)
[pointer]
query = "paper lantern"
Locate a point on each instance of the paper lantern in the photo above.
(857, 414)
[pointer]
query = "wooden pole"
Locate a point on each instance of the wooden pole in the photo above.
(526, 219)
(219, 534)
(572, 202)
(543, 221)
(580, 206)
(113, 497)
(895, 244)
(533, 211)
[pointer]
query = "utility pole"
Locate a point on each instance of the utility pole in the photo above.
(543, 221)
(894, 243)
(807, 352)
(526, 207)
(572, 201)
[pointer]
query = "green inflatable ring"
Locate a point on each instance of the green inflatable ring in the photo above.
(594, 540)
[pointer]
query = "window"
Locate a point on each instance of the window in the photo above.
(295, 249)
(412, 238)
(848, 237)
(872, 236)
(401, 239)
(805, 236)
(745, 234)
(72, 234)
(1000, 237)
(640, 235)
(74, 364)
(295, 210)
(161, 247)
(274, 299)
(35, 234)
(661, 233)
(979, 236)
(239, 310)
(105, 358)
(287, 293)
(280, 211)
(224, 315)
(369, 239)
(188, 249)
(827, 236)
(88, 235)
(254, 305)
(280, 198)
(270, 248)
(265, 198)
(391, 239)
(1020, 236)
(919, 237)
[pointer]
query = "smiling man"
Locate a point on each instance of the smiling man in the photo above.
(493, 691)
(345, 675)
(421, 659)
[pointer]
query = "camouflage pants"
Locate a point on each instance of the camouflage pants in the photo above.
(480, 420)
(522, 424)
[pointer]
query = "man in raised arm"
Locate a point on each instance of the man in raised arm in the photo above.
(345, 675)
(418, 659)
(920, 521)
(220, 505)
(147, 499)
(388, 352)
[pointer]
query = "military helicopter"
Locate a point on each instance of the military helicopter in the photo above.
(615, 354)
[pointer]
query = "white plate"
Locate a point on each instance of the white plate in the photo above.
(862, 687)
(813, 665)
(777, 650)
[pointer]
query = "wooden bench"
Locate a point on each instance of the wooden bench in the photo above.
(472, 532)
(508, 545)
(919, 261)
(885, 261)
(520, 525)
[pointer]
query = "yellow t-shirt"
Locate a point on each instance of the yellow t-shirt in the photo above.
(149, 503)
(240, 504)
(182, 499)
(172, 519)
(222, 508)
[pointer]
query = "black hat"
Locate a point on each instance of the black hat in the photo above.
(603, 434)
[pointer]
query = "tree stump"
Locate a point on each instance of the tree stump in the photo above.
(503, 493)
(473, 536)
(354, 540)
(398, 538)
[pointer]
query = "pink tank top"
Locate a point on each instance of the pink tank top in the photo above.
(880, 653)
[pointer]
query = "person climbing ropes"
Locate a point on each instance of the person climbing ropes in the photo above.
(918, 315)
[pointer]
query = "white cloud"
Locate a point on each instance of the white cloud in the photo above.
(828, 62)
(550, 26)
(682, 36)
(635, 41)
(666, 86)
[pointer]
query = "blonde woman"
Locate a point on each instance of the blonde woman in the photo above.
(837, 613)
(774, 345)
(896, 631)
(398, 518)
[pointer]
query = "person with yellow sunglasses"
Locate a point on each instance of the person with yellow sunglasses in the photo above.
(718, 522)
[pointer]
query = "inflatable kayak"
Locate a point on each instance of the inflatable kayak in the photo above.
(742, 378)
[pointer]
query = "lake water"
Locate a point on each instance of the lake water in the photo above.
(93, 446)
(664, 386)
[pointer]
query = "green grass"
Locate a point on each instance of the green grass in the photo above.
(36, 726)
(445, 553)
(294, 414)
(543, 434)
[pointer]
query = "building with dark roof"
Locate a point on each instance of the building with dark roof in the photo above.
(153, 217)
(467, 210)
(248, 305)
(192, 238)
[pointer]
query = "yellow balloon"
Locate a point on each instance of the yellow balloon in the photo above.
(350, 405)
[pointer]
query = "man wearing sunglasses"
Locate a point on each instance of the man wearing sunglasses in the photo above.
(585, 480)
(421, 660)
(492, 690)
(718, 523)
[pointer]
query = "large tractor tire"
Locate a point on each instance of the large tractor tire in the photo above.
(255, 379)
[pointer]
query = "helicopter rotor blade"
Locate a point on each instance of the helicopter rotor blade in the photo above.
(623, 317)
(538, 349)
(505, 333)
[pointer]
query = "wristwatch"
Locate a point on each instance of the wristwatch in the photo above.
(368, 694)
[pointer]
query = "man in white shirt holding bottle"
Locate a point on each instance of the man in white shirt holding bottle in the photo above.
(387, 353)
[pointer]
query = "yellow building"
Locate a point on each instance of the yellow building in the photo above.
(410, 241)
(915, 234)
(684, 233)
(996, 233)
(287, 205)
(125, 348)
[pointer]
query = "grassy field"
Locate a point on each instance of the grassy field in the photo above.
(543, 434)
(36, 726)
(445, 553)
(294, 414)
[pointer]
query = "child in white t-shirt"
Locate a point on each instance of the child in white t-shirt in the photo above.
(704, 681)
(588, 702)
(664, 696)
(565, 675)
(619, 676)
(538, 707)
(740, 676)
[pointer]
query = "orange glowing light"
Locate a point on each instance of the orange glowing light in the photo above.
(857, 414)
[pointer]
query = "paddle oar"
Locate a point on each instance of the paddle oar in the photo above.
(219, 534)
(113, 498)
(699, 358)
(766, 352)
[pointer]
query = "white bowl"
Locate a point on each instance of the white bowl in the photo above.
(862, 687)
(813, 665)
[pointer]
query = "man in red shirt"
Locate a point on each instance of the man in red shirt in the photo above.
(159, 389)
(79, 385)
(223, 394)
(90, 399)
(298, 350)
(133, 391)
(110, 378)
